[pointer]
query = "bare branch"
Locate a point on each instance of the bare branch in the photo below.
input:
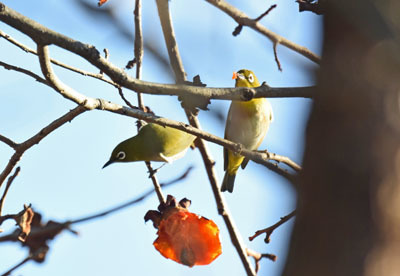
(268, 231)
(92, 55)
(22, 70)
(8, 141)
(8, 185)
(276, 57)
(258, 256)
(180, 75)
(138, 49)
(283, 159)
(128, 103)
(54, 61)
(8, 272)
(242, 19)
(21, 148)
(113, 209)
(91, 103)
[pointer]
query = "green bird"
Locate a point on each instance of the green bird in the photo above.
(152, 143)
(247, 124)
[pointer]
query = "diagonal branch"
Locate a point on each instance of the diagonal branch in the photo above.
(242, 19)
(8, 141)
(9, 182)
(180, 76)
(91, 103)
(54, 61)
(138, 51)
(25, 71)
(46, 36)
(268, 231)
(21, 148)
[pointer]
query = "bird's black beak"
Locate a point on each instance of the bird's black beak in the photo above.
(108, 163)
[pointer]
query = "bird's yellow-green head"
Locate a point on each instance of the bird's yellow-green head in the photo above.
(245, 78)
(123, 152)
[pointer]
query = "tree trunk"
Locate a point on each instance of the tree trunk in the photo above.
(348, 220)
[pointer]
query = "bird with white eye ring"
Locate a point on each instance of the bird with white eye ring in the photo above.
(247, 124)
(152, 143)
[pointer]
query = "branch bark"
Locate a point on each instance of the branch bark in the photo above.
(44, 36)
(180, 76)
(242, 19)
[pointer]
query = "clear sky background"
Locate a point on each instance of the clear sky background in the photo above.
(62, 176)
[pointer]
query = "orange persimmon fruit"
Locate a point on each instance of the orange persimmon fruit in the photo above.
(185, 237)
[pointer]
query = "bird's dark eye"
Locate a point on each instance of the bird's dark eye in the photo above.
(121, 155)
(250, 78)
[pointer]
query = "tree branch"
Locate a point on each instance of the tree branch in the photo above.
(44, 36)
(25, 71)
(9, 182)
(242, 19)
(180, 76)
(138, 51)
(8, 272)
(268, 231)
(54, 61)
(21, 148)
(91, 103)
(8, 141)
(258, 256)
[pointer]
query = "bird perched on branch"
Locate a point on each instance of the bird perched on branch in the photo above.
(152, 143)
(247, 124)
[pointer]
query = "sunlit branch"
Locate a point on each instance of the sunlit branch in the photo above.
(22, 147)
(138, 51)
(8, 185)
(24, 71)
(242, 19)
(8, 141)
(54, 61)
(180, 76)
(258, 256)
(268, 231)
(45, 36)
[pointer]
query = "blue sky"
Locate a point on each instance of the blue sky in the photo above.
(62, 176)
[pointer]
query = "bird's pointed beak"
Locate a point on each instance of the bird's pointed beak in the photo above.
(235, 75)
(108, 163)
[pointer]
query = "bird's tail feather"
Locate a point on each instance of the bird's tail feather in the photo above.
(227, 183)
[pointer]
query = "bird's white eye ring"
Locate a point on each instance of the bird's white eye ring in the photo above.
(250, 78)
(241, 76)
(121, 155)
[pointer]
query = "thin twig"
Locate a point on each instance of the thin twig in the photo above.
(265, 13)
(138, 51)
(56, 62)
(65, 225)
(8, 141)
(268, 231)
(284, 159)
(91, 103)
(113, 209)
(128, 103)
(239, 28)
(180, 76)
(35, 30)
(21, 148)
(138, 47)
(8, 272)
(22, 70)
(242, 19)
(258, 256)
(276, 56)
(8, 185)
